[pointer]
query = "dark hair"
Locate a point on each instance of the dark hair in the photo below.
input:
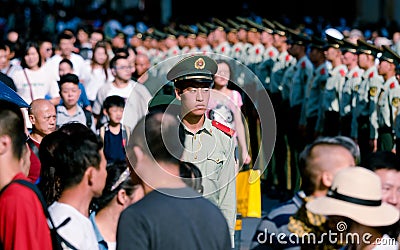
(76, 153)
(382, 160)
(118, 177)
(114, 101)
(113, 61)
(68, 78)
(191, 175)
(62, 36)
(100, 44)
(67, 61)
(27, 46)
(49, 183)
(160, 136)
(12, 124)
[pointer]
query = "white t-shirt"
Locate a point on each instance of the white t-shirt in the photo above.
(52, 65)
(42, 86)
(94, 79)
(78, 231)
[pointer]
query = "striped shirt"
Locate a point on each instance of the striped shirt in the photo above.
(272, 232)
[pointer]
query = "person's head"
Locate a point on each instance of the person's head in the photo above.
(119, 40)
(65, 42)
(12, 130)
(193, 77)
(142, 64)
(69, 89)
(83, 33)
(387, 166)
(96, 36)
(31, 58)
(79, 159)
(45, 48)
(113, 107)
(100, 55)
(222, 77)
(387, 62)
(155, 139)
(42, 115)
(120, 189)
(356, 194)
(366, 54)
(320, 161)
(4, 51)
(121, 68)
(65, 67)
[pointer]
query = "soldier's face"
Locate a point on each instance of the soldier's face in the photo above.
(194, 100)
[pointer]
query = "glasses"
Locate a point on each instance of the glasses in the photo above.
(49, 49)
(124, 67)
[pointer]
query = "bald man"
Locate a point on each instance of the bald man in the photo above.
(42, 115)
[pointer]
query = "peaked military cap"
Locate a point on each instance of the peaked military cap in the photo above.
(268, 23)
(332, 42)
(219, 24)
(259, 27)
(196, 68)
(189, 31)
(171, 33)
(279, 28)
(389, 55)
(242, 23)
(297, 38)
(367, 48)
(201, 30)
(348, 47)
(318, 43)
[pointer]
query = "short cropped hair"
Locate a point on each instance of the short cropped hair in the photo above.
(114, 101)
(113, 61)
(76, 153)
(12, 125)
(306, 172)
(160, 136)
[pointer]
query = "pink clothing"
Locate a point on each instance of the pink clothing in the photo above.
(222, 107)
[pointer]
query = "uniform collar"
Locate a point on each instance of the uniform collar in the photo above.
(207, 127)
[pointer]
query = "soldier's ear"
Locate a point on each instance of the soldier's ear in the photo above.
(178, 93)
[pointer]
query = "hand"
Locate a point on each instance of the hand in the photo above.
(247, 159)
(373, 143)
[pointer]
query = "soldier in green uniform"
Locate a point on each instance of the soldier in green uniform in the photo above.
(364, 122)
(388, 100)
(208, 144)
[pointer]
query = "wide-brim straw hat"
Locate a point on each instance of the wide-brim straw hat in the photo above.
(356, 193)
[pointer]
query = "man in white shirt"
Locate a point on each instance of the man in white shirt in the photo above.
(135, 94)
(81, 166)
(65, 43)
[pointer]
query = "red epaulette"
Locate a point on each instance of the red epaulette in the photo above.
(227, 130)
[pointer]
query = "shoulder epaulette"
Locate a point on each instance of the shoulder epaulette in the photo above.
(227, 130)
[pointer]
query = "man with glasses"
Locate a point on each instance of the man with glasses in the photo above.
(208, 144)
(123, 86)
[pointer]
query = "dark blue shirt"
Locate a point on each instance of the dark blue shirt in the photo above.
(113, 146)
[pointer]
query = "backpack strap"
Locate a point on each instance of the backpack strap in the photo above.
(35, 189)
(33, 146)
(88, 116)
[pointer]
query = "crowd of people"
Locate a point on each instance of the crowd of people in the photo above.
(92, 120)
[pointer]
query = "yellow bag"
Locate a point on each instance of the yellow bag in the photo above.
(248, 193)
